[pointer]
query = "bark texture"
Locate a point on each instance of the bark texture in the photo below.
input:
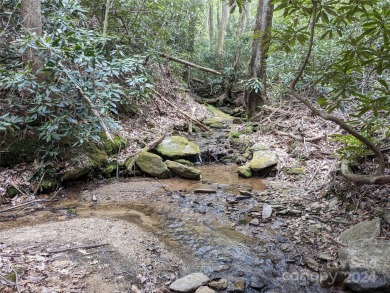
(222, 32)
(257, 66)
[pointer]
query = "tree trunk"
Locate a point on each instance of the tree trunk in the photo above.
(31, 20)
(257, 66)
(105, 23)
(237, 56)
(222, 32)
(211, 25)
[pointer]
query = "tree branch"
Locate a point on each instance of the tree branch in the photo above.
(324, 115)
(189, 64)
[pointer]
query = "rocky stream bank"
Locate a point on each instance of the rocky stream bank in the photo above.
(184, 221)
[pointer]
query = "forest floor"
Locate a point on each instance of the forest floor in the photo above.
(317, 202)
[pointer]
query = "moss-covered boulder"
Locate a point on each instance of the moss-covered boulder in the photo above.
(184, 170)
(245, 171)
(152, 165)
(263, 159)
(177, 147)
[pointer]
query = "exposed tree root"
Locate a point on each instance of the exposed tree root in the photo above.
(362, 179)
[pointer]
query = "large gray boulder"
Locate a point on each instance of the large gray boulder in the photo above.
(366, 259)
(152, 164)
(177, 147)
(189, 283)
(183, 170)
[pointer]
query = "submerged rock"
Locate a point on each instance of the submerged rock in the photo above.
(219, 285)
(152, 164)
(366, 259)
(176, 147)
(183, 170)
(189, 283)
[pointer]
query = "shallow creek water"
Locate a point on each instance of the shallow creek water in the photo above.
(201, 228)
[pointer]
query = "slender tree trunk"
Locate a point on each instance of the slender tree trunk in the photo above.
(31, 20)
(211, 24)
(257, 66)
(247, 8)
(105, 23)
(222, 32)
(237, 56)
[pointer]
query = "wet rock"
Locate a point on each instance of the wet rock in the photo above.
(219, 285)
(176, 147)
(204, 190)
(189, 283)
(263, 159)
(258, 282)
(204, 289)
(259, 147)
(366, 259)
(267, 211)
(152, 164)
(254, 222)
(243, 197)
(183, 170)
(237, 286)
(245, 171)
(231, 200)
(245, 192)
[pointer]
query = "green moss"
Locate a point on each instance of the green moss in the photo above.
(249, 129)
(109, 169)
(245, 171)
(75, 173)
(111, 147)
(12, 192)
(235, 134)
(176, 147)
(49, 185)
(218, 112)
(185, 162)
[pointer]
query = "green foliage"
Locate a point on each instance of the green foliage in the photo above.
(75, 62)
(349, 64)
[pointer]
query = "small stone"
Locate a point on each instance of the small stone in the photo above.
(245, 192)
(204, 289)
(311, 263)
(245, 171)
(204, 190)
(254, 222)
(189, 283)
(285, 247)
(258, 282)
(267, 211)
(238, 286)
(219, 285)
(243, 197)
(325, 257)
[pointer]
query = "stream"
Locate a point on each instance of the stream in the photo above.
(208, 229)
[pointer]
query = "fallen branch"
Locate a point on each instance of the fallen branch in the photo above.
(189, 64)
(16, 280)
(201, 125)
(95, 112)
(76, 248)
(27, 203)
(149, 146)
(300, 138)
(362, 179)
